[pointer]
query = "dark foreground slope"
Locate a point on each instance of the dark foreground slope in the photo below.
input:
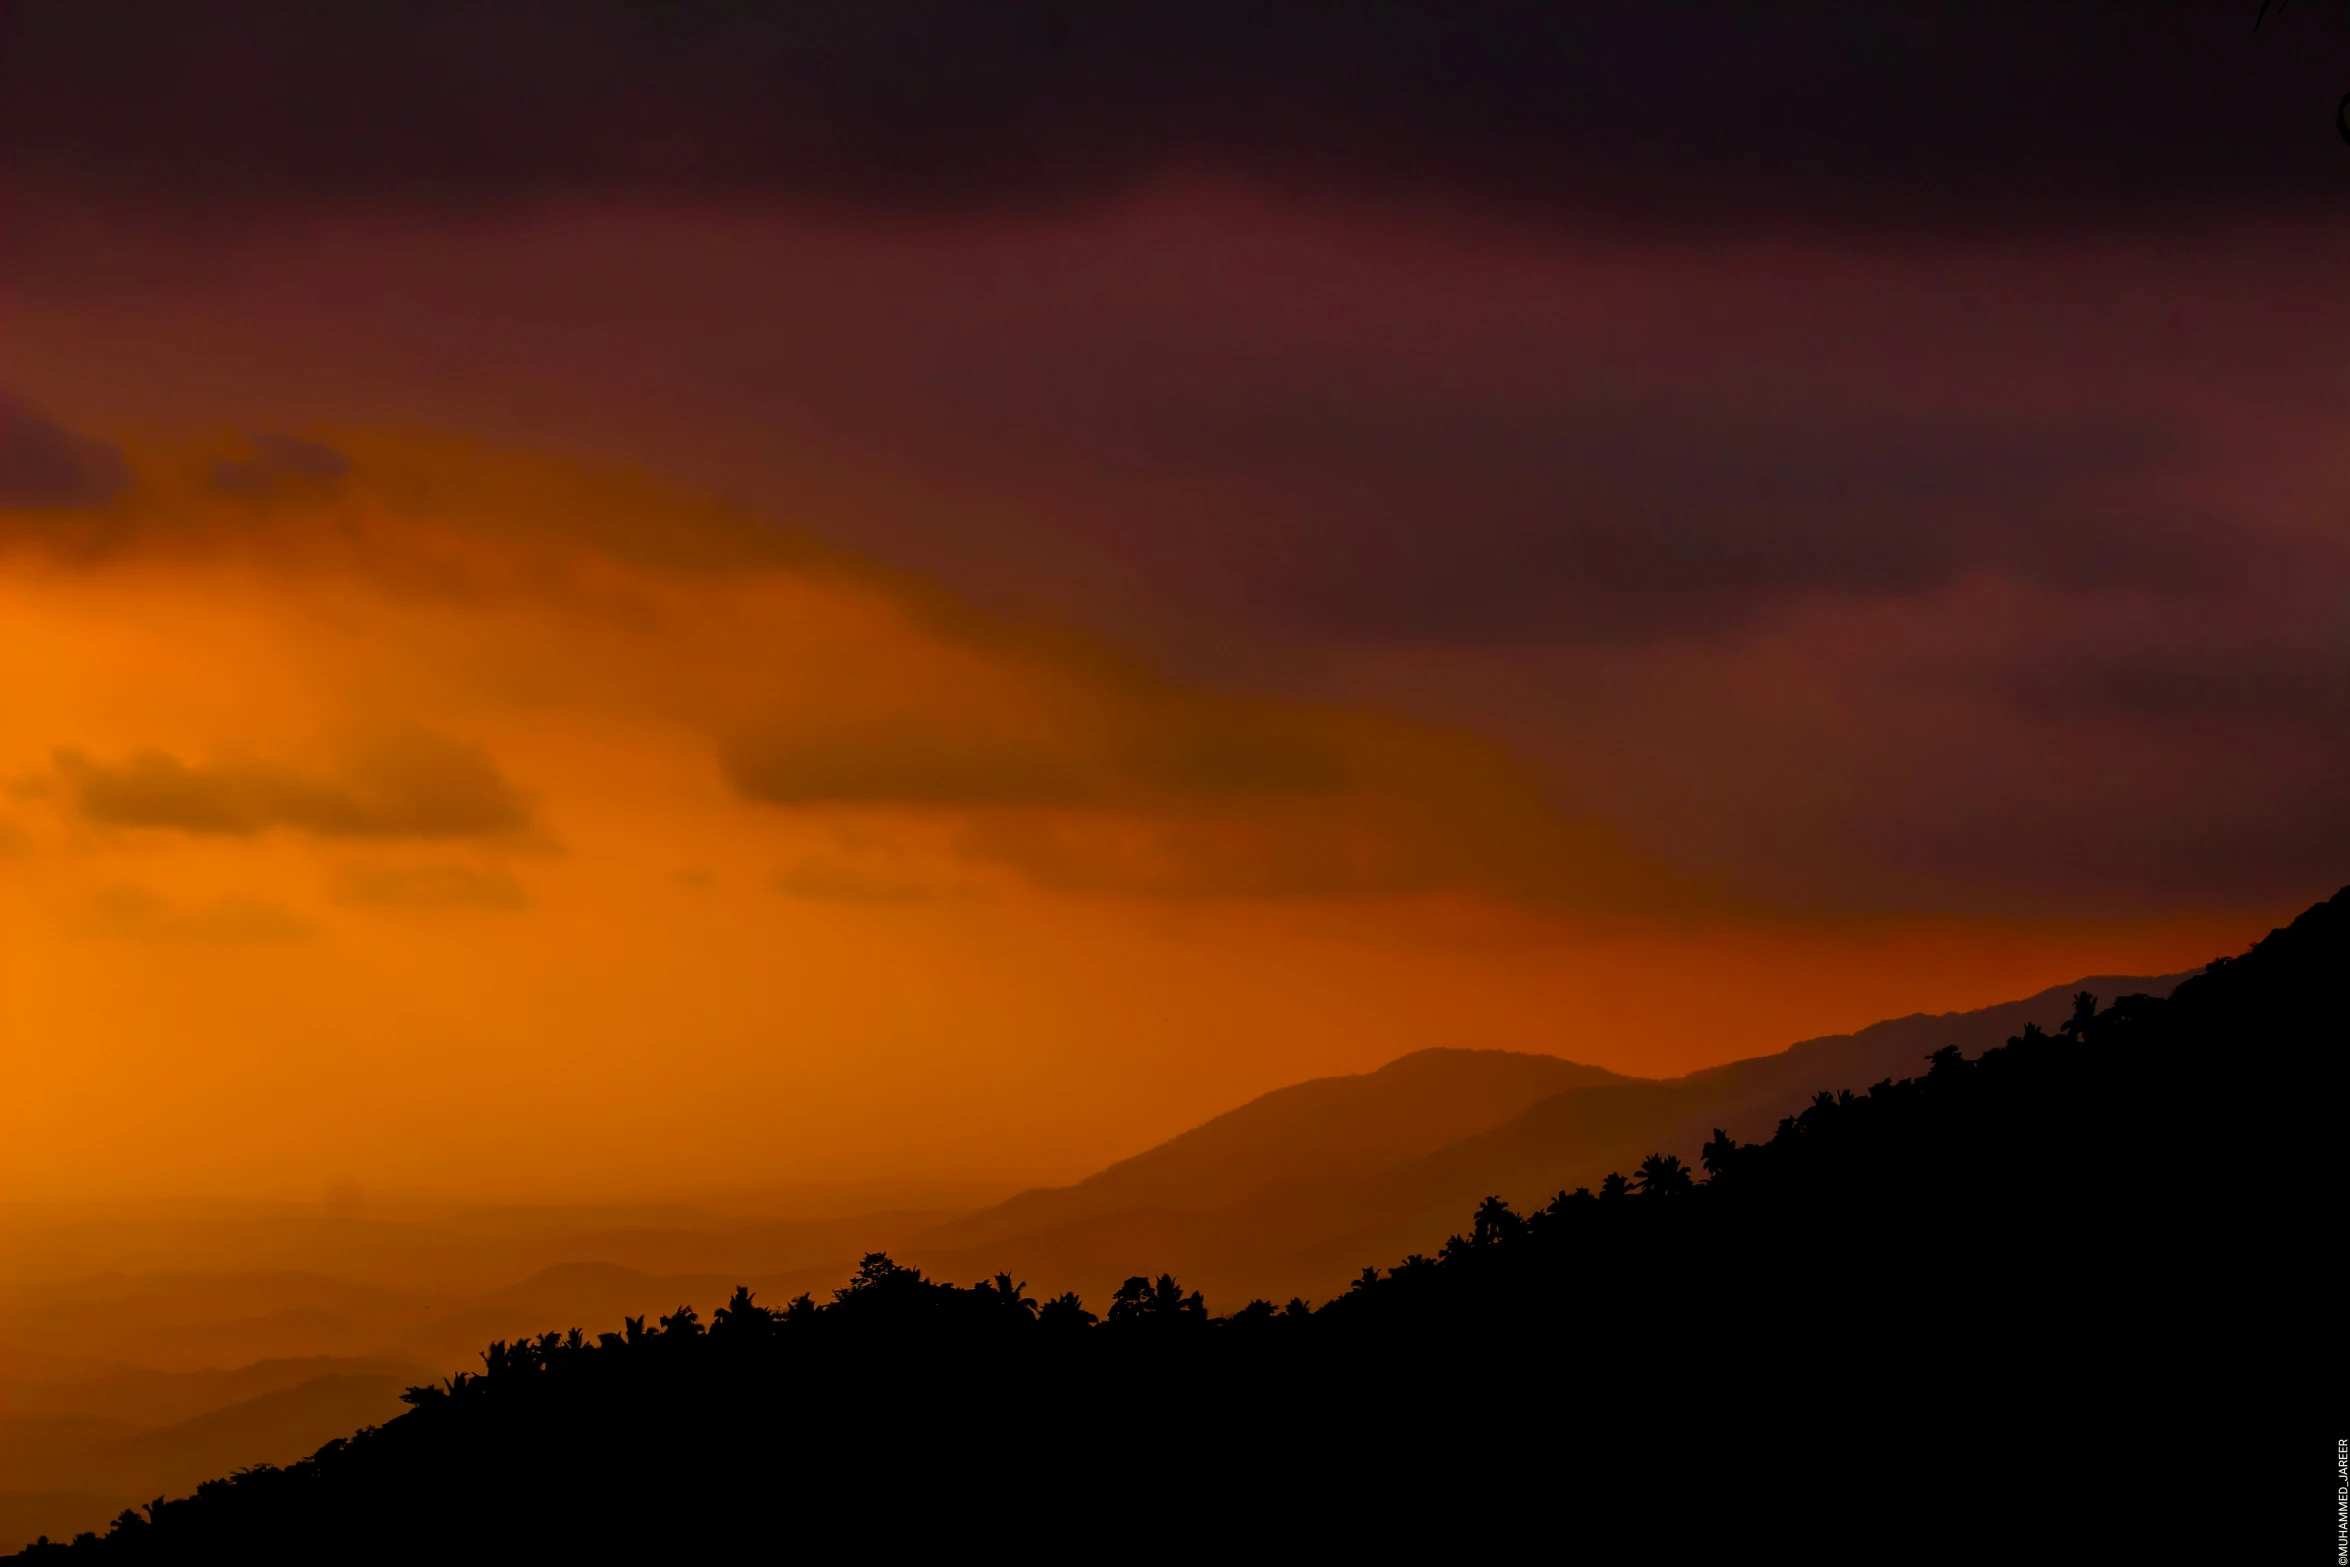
(1985, 1307)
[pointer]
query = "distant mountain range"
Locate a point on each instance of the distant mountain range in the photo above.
(76, 1453)
(1945, 1240)
(1328, 1129)
(1293, 1192)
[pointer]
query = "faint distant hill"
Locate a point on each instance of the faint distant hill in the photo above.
(1287, 1194)
(1891, 1230)
(135, 1398)
(80, 1441)
(186, 1320)
(1328, 1128)
(65, 1472)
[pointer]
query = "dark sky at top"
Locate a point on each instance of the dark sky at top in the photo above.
(1879, 454)
(1916, 119)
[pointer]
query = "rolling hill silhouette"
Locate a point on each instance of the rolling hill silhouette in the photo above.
(67, 1471)
(1328, 1128)
(1285, 1195)
(138, 1399)
(1905, 1326)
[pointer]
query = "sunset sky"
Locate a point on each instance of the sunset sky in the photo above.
(602, 600)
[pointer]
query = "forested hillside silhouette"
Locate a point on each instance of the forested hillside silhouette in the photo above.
(1957, 1288)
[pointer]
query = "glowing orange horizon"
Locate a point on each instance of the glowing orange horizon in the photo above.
(486, 824)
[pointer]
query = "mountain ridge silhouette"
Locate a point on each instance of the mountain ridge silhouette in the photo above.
(1242, 1224)
(1991, 1253)
(1413, 1104)
(1272, 1224)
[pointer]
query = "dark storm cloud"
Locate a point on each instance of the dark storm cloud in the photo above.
(1907, 117)
(46, 467)
(1149, 743)
(2282, 669)
(420, 786)
(280, 467)
(59, 488)
(1615, 519)
(905, 768)
(1634, 522)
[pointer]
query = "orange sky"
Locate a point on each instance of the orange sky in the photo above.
(606, 601)
(490, 824)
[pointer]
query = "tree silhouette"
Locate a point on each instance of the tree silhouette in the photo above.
(1902, 1243)
(740, 1316)
(1009, 1296)
(1663, 1175)
(1065, 1312)
(1158, 1302)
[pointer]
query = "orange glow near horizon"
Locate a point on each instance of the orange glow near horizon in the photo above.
(483, 824)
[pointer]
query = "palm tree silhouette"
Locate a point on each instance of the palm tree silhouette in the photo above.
(1664, 1175)
(1065, 1311)
(1008, 1295)
(1495, 1223)
(1143, 1300)
(2084, 1014)
(741, 1314)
